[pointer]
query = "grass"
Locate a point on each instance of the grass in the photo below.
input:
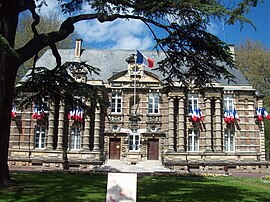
(35, 187)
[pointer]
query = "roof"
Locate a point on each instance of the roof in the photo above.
(113, 61)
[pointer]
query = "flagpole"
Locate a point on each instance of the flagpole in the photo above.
(134, 90)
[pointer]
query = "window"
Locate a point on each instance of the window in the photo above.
(228, 102)
(192, 102)
(229, 140)
(193, 140)
(75, 138)
(116, 103)
(40, 137)
(153, 103)
(134, 141)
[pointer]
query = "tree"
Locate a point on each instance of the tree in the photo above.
(253, 60)
(185, 42)
(48, 23)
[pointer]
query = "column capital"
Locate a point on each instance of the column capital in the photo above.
(218, 99)
(181, 98)
(207, 99)
(171, 98)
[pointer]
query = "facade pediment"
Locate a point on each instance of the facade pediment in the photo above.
(143, 77)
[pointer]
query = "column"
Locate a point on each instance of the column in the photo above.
(97, 128)
(51, 126)
(181, 127)
(171, 125)
(30, 128)
(86, 133)
(60, 126)
(208, 125)
(261, 134)
(218, 128)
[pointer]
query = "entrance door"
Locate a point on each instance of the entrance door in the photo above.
(152, 149)
(114, 148)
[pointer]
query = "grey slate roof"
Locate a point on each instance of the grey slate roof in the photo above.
(113, 61)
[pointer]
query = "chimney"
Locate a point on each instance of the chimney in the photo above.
(78, 48)
(231, 46)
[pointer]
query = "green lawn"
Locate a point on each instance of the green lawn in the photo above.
(71, 187)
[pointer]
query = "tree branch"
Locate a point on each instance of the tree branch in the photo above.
(67, 27)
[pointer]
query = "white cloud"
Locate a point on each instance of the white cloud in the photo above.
(132, 43)
(120, 34)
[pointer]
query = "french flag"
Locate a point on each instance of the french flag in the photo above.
(71, 114)
(40, 115)
(259, 114)
(80, 115)
(35, 112)
(265, 114)
(200, 115)
(235, 114)
(194, 116)
(231, 116)
(142, 59)
(227, 116)
(75, 115)
(13, 112)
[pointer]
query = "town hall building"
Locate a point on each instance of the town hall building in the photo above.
(181, 128)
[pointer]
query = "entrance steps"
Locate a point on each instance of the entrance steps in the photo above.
(149, 166)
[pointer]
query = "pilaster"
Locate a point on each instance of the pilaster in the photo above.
(208, 125)
(51, 126)
(97, 128)
(218, 127)
(181, 128)
(171, 125)
(60, 126)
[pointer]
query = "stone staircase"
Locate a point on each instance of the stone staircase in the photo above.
(149, 166)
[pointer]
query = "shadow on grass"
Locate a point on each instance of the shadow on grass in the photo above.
(198, 189)
(40, 187)
(37, 187)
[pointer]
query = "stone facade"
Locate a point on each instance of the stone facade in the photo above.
(144, 123)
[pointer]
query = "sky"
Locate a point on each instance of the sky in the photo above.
(131, 35)
(260, 16)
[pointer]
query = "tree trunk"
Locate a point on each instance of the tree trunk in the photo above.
(8, 71)
(7, 81)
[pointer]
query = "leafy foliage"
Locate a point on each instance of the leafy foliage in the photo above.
(186, 41)
(254, 61)
(193, 56)
(56, 84)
